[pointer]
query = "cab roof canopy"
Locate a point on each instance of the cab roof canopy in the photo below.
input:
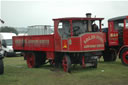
(78, 18)
(118, 18)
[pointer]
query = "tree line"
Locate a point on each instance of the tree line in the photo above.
(8, 29)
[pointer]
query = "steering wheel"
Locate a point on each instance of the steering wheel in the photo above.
(75, 30)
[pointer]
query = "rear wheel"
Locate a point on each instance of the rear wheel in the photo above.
(110, 55)
(32, 60)
(124, 56)
(66, 63)
(1, 66)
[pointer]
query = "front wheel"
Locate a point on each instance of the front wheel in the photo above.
(66, 63)
(124, 56)
(1, 66)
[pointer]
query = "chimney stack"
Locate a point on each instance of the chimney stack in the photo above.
(88, 15)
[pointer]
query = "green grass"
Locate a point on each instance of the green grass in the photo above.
(17, 73)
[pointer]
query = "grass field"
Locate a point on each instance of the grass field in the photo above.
(17, 73)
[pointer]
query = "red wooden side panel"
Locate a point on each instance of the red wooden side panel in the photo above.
(34, 43)
(93, 41)
(18, 42)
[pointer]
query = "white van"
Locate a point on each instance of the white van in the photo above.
(6, 40)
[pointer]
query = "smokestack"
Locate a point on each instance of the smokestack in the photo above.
(88, 15)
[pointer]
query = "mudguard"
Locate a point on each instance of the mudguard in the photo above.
(125, 46)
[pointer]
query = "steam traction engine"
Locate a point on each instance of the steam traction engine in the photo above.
(75, 41)
(117, 39)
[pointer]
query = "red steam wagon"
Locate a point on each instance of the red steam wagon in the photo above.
(76, 40)
(117, 39)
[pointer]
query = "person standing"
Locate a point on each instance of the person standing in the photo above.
(1, 56)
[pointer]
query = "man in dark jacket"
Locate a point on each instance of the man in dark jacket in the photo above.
(94, 28)
(1, 56)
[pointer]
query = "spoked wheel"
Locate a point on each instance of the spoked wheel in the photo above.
(31, 60)
(124, 56)
(66, 63)
(35, 59)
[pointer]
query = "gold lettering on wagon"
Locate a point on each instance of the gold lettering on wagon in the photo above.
(41, 42)
(92, 37)
(94, 46)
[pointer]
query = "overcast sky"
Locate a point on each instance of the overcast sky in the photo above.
(25, 13)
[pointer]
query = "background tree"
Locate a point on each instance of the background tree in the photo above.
(8, 29)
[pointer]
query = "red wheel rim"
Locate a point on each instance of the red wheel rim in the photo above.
(64, 62)
(83, 62)
(30, 60)
(125, 54)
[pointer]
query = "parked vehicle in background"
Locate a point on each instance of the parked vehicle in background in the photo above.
(6, 41)
(40, 30)
(22, 34)
(117, 39)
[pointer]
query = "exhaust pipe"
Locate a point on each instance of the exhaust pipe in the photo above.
(88, 15)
